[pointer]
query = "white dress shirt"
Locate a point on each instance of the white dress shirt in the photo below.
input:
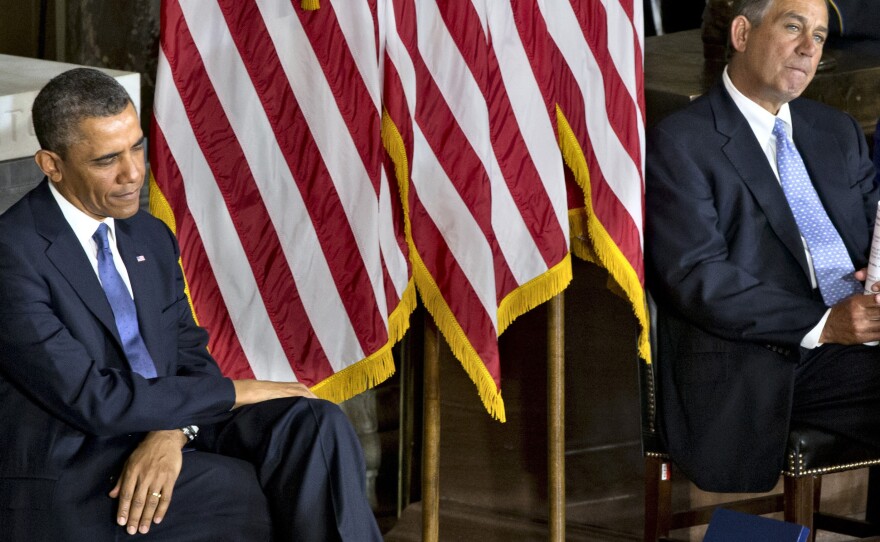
(84, 227)
(761, 122)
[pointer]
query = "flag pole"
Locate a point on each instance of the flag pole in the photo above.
(431, 435)
(556, 417)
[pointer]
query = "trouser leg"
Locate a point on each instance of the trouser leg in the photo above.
(837, 389)
(215, 498)
(310, 465)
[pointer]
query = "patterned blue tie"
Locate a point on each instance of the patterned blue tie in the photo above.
(832, 264)
(123, 308)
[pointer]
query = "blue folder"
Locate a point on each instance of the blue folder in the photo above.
(730, 526)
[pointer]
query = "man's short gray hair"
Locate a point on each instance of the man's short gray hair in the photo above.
(68, 99)
(753, 10)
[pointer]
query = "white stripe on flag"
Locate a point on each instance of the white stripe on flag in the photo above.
(361, 40)
(282, 199)
(468, 105)
(333, 139)
(617, 166)
(620, 46)
(394, 258)
(456, 224)
(527, 102)
(228, 259)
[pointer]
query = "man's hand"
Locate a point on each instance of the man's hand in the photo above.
(856, 319)
(248, 392)
(151, 470)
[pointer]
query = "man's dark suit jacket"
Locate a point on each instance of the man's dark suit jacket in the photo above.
(71, 411)
(727, 266)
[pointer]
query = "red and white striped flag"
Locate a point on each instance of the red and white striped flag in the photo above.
(270, 168)
(474, 143)
(601, 114)
(268, 164)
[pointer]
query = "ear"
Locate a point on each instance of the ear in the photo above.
(739, 33)
(48, 162)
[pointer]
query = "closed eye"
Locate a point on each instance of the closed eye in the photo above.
(105, 160)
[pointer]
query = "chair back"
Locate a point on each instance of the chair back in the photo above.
(651, 440)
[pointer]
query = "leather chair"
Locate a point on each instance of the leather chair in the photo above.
(810, 454)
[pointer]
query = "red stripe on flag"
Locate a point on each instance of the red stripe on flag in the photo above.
(538, 47)
(204, 291)
(236, 183)
(460, 163)
(622, 114)
(394, 102)
(309, 171)
(517, 167)
(342, 74)
(464, 303)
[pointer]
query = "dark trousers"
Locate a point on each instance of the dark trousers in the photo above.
(287, 469)
(837, 389)
(309, 464)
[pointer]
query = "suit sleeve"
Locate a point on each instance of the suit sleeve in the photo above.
(41, 357)
(741, 292)
(192, 357)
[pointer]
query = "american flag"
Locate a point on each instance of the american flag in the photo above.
(601, 112)
(316, 163)
(267, 160)
(486, 202)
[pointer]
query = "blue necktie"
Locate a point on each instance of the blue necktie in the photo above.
(831, 262)
(123, 308)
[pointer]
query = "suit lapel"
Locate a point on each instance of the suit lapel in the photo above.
(826, 174)
(747, 156)
(140, 269)
(66, 254)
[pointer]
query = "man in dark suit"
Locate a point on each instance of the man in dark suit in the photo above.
(754, 256)
(113, 416)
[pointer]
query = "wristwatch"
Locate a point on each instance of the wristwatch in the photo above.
(191, 431)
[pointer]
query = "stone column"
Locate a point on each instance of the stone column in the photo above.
(119, 35)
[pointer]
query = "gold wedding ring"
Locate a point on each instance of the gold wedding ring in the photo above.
(156, 494)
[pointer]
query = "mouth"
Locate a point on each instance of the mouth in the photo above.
(134, 195)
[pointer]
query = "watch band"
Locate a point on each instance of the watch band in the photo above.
(191, 431)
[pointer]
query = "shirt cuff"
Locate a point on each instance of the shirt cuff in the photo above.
(811, 339)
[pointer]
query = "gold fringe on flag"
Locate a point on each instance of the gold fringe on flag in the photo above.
(398, 321)
(536, 291)
(358, 377)
(458, 342)
(352, 380)
(160, 208)
(516, 303)
(310, 5)
(378, 367)
(591, 241)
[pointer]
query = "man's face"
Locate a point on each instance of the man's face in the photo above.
(779, 57)
(103, 170)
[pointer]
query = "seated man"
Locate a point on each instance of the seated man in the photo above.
(105, 380)
(759, 212)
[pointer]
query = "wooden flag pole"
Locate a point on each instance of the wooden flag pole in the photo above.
(556, 417)
(431, 436)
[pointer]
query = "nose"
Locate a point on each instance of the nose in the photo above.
(131, 167)
(808, 46)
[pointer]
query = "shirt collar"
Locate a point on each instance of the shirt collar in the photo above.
(760, 120)
(83, 225)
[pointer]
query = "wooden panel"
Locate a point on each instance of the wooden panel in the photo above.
(493, 476)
